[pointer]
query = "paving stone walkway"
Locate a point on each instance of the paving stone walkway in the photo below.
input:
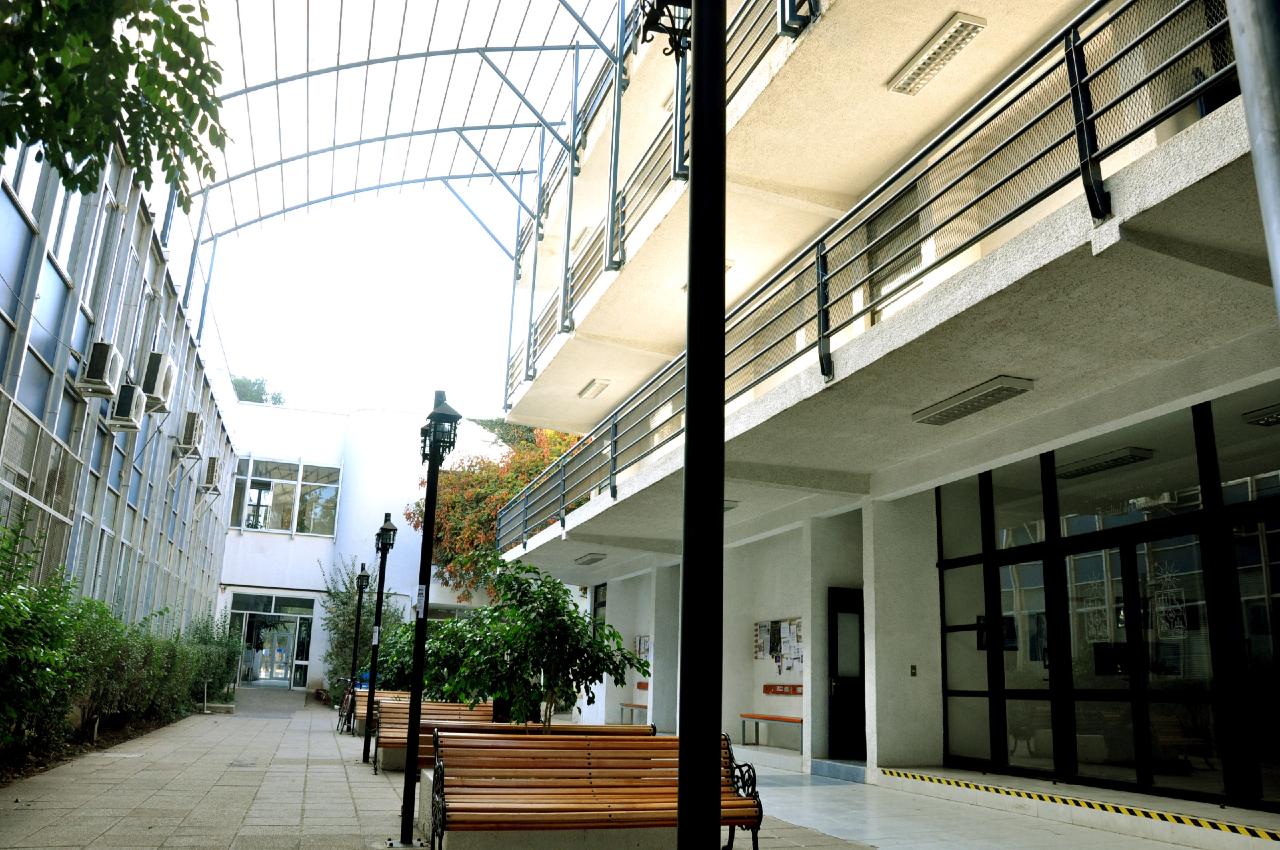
(274, 775)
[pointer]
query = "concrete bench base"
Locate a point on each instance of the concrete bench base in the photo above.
(393, 759)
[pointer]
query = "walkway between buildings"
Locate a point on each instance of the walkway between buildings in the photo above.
(275, 775)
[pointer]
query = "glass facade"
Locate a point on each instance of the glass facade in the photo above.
(1115, 622)
(274, 495)
(276, 638)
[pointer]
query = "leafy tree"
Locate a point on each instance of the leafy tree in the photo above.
(471, 493)
(532, 647)
(339, 606)
(77, 74)
(254, 390)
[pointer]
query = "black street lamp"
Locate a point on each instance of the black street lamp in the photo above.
(438, 437)
(384, 540)
(362, 581)
(699, 25)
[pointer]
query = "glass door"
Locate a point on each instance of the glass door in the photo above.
(268, 653)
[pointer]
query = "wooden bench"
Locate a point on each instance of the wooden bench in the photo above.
(393, 725)
(765, 718)
(632, 707)
(362, 700)
(535, 783)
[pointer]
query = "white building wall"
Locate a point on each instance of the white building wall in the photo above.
(664, 677)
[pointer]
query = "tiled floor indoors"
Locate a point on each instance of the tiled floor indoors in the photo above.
(276, 776)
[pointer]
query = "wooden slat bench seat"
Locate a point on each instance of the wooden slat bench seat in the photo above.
(393, 723)
(534, 783)
(766, 718)
(362, 699)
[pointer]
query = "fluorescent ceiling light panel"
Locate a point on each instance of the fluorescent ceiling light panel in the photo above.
(937, 52)
(589, 559)
(984, 395)
(593, 388)
(1265, 416)
(1104, 461)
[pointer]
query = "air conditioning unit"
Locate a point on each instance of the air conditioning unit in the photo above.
(129, 408)
(159, 381)
(192, 434)
(101, 373)
(210, 484)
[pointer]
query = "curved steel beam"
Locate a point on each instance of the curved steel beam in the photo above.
(417, 181)
(530, 125)
(399, 57)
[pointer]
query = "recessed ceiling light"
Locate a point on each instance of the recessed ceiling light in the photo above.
(1265, 416)
(984, 395)
(937, 52)
(593, 388)
(589, 559)
(1104, 461)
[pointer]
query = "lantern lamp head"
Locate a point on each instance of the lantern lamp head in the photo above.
(669, 18)
(441, 431)
(386, 536)
(362, 580)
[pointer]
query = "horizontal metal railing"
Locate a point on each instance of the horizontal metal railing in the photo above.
(1097, 85)
(750, 34)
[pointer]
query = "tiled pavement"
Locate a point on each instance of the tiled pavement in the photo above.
(276, 776)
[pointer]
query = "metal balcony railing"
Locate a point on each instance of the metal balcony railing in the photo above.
(752, 31)
(1097, 85)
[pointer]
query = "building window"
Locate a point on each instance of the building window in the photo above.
(272, 495)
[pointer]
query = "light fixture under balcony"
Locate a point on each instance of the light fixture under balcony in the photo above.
(1264, 416)
(1104, 461)
(937, 52)
(984, 395)
(592, 388)
(730, 504)
(589, 559)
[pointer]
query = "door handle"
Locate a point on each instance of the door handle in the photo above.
(833, 687)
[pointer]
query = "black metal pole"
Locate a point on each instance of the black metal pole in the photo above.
(355, 653)
(419, 650)
(1255, 34)
(702, 572)
(373, 656)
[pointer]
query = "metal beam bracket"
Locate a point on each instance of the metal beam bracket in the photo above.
(824, 313)
(1086, 132)
(790, 20)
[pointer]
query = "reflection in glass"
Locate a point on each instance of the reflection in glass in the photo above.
(1183, 753)
(1176, 626)
(966, 664)
(1095, 599)
(275, 469)
(1030, 731)
(237, 503)
(1026, 656)
(1142, 472)
(270, 505)
(961, 520)
(320, 474)
(317, 509)
(968, 727)
(1248, 449)
(963, 600)
(1104, 740)
(1019, 511)
(1257, 556)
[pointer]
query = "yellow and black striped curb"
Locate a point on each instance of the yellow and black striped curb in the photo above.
(1113, 808)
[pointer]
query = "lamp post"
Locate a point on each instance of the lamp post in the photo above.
(384, 540)
(699, 25)
(438, 437)
(362, 581)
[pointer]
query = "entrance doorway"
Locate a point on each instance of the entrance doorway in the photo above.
(846, 694)
(269, 649)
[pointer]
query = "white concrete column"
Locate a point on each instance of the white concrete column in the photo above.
(904, 712)
(663, 677)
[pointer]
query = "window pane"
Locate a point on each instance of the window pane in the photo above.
(320, 474)
(1248, 450)
(1183, 753)
(237, 503)
(46, 312)
(1026, 657)
(294, 605)
(966, 664)
(1257, 557)
(317, 509)
(68, 415)
(270, 505)
(250, 602)
(242, 466)
(1019, 511)
(1104, 740)
(1030, 732)
(1139, 473)
(117, 468)
(99, 446)
(961, 523)
(33, 389)
(15, 241)
(1095, 596)
(968, 727)
(275, 469)
(304, 638)
(963, 596)
(1177, 630)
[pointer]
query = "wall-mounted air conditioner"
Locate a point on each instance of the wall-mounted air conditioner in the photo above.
(210, 484)
(101, 373)
(129, 408)
(192, 434)
(159, 381)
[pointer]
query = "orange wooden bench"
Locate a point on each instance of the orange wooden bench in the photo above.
(393, 722)
(765, 718)
(534, 783)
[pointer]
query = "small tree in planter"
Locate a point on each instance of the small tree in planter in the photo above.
(532, 648)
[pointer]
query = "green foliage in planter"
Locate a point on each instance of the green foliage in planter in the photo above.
(75, 75)
(339, 605)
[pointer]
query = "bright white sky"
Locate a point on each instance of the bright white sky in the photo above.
(378, 299)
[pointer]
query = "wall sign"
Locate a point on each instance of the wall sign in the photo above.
(781, 641)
